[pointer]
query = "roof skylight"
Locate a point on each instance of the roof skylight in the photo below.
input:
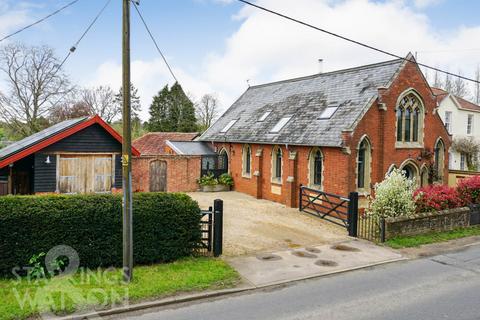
(228, 126)
(280, 124)
(328, 112)
(265, 115)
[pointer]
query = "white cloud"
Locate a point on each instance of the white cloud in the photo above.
(426, 3)
(267, 48)
(12, 18)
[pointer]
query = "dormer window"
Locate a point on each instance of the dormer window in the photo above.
(264, 116)
(280, 124)
(228, 126)
(409, 116)
(328, 112)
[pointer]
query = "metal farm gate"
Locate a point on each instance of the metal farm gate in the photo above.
(342, 211)
(211, 226)
(331, 207)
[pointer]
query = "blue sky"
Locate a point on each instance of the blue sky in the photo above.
(216, 45)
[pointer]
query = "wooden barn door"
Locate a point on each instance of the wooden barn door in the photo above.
(158, 176)
(84, 174)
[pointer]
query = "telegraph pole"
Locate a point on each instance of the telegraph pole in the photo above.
(127, 150)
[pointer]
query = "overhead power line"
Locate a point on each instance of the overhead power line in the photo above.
(39, 21)
(354, 41)
(75, 45)
(154, 41)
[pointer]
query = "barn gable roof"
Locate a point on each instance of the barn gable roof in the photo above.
(49, 136)
(302, 104)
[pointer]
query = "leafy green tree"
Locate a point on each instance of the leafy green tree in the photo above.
(159, 112)
(171, 110)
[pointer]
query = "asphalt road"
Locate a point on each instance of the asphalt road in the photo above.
(440, 287)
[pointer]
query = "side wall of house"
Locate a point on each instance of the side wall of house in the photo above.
(182, 172)
(295, 171)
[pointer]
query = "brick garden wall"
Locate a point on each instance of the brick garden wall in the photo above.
(427, 222)
(182, 172)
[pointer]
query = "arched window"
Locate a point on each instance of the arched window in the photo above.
(277, 165)
(247, 161)
(363, 164)
(223, 160)
(439, 159)
(409, 115)
(316, 167)
(411, 171)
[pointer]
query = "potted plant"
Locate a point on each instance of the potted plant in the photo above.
(225, 182)
(469, 191)
(208, 183)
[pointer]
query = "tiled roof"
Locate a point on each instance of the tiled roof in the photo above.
(442, 94)
(191, 148)
(153, 143)
(304, 100)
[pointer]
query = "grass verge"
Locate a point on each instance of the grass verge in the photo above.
(415, 241)
(103, 288)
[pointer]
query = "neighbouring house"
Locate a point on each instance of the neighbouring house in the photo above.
(75, 156)
(462, 119)
(169, 161)
(338, 131)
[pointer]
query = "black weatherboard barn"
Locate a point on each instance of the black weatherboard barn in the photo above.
(75, 156)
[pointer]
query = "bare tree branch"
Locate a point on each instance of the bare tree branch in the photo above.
(35, 86)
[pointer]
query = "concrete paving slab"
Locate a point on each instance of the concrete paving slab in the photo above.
(294, 264)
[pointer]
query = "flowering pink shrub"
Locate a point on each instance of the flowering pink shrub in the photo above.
(437, 197)
(469, 190)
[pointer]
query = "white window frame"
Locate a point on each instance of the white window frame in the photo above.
(264, 116)
(228, 126)
(463, 161)
(448, 121)
(280, 124)
(328, 112)
(470, 123)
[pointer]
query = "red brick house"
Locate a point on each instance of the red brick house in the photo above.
(339, 131)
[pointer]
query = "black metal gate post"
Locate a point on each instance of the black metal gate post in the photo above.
(217, 227)
(352, 214)
(382, 230)
(300, 199)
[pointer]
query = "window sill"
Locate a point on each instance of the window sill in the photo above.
(408, 145)
(246, 176)
(277, 182)
(316, 187)
(363, 193)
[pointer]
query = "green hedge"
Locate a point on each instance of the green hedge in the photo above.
(165, 228)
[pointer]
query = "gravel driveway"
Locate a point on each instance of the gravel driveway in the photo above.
(252, 225)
